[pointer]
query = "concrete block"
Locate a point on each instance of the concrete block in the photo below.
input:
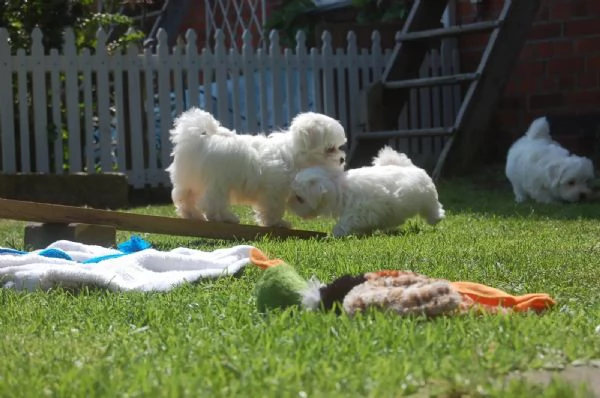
(40, 235)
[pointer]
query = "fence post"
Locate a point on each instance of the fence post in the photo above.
(39, 103)
(250, 89)
(103, 98)
(7, 124)
(328, 84)
(275, 55)
(71, 68)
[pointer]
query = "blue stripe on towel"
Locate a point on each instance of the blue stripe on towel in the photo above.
(55, 253)
(132, 245)
(4, 250)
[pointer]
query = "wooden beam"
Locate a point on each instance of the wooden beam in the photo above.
(431, 81)
(451, 31)
(482, 97)
(51, 213)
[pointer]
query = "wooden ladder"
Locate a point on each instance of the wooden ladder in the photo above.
(386, 98)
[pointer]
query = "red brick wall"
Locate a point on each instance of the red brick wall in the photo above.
(558, 70)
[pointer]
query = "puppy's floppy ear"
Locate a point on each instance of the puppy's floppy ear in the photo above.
(589, 167)
(554, 172)
(307, 135)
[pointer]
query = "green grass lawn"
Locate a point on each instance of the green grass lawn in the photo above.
(208, 340)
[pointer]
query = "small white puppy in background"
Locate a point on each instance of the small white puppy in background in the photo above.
(214, 167)
(366, 199)
(539, 168)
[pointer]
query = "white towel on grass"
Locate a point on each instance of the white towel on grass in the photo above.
(63, 263)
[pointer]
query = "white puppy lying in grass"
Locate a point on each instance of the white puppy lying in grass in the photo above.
(539, 168)
(366, 199)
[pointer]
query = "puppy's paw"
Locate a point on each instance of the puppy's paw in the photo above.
(340, 231)
(223, 217)
(190, 214)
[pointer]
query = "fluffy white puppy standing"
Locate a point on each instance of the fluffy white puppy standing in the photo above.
(363, 200)
(214, 167)
(539, 168)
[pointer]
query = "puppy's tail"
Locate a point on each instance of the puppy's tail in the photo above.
(388, 157)
(539, 129)
(194, 124)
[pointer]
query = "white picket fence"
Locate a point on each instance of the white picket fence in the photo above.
(97, 112)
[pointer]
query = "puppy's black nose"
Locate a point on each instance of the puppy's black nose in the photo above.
(582, 196)
(342, 160)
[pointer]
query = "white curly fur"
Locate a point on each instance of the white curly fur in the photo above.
(382, 196)
(214, 167)
(540, 169)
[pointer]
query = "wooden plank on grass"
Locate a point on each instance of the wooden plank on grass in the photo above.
(51, 213)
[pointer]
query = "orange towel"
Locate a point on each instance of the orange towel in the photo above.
(490, 297)
(261, 260)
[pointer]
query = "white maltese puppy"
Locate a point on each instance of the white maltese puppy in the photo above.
(539, 168)
(368, 198)
(214, 167)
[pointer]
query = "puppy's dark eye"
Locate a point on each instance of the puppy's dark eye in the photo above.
(299, 199)
(571, 183)
(330, 150)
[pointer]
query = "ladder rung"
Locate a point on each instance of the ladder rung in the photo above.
(431, 81)
(450, 31)
(147, 15)
(425, 132)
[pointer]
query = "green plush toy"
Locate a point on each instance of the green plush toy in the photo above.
(279, 287)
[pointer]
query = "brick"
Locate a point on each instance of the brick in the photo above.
(587, 80)
(546, 31)
(512, 102)
(465, 10)
(543, 14)
(560, 11)
(473, 41)
(537, 50)
(562, 48)
(527, 85)
(582, 27)
(541, 101)
(584, 97)
(545, 49)
(587, 45)
(579, 8)
(593, 8)
(530, 69)
(565, 10)
(507, 117)
(513, 87)
(40, 235)
(566, 65)
(548, 84)
(592, 63)
(567, 82)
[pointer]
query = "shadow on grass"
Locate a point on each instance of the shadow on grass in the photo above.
(489, 193)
